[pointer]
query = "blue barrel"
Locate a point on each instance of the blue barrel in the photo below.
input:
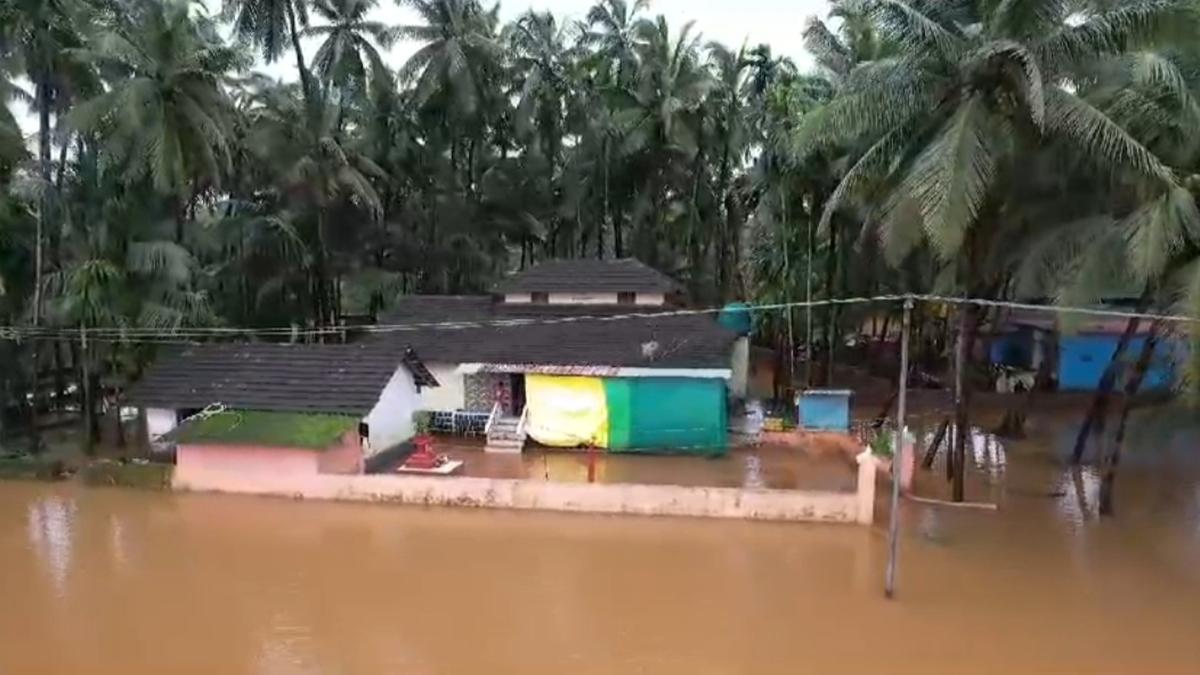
(824, 409)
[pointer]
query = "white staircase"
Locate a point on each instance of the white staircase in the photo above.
(505, 433)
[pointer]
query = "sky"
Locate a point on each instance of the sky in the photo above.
(775, 22)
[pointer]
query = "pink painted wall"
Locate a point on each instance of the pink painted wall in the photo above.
(247, 466)
(346, 457)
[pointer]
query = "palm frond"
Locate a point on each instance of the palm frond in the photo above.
(1089, 129)
(950, 180)
(1159, 230)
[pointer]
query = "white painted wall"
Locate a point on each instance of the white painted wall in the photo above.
(390, 422)
(739, 364)
(583, 298)
(159, 421)
(647, 299)
(450, 396)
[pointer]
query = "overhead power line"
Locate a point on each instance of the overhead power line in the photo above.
(187, 335)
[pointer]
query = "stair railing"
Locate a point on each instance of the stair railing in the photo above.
(487, 429)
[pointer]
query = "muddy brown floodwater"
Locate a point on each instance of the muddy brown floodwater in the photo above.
(126, 582)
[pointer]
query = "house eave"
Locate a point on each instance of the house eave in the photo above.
(593, 371)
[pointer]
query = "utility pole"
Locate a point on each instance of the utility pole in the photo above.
(898, 458)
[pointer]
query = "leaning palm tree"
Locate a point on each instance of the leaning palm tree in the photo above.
(939, 130)
(165, 116)
(349, 53)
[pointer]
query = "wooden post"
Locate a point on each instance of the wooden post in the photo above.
(898, 458)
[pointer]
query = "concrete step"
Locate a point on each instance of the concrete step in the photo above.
(504, 445)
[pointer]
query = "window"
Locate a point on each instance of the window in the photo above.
(626, 298)
(540, 298)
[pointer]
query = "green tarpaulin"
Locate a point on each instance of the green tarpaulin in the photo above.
(666, 414)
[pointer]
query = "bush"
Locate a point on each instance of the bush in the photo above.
(30, 467)
(148, 475)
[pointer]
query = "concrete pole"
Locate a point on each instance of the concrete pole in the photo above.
(898, 458)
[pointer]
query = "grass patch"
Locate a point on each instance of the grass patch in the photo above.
(256, 427)
(148, 476)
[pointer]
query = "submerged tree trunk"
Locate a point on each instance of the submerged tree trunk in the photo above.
(964, 342)
(1093, 422)
(87, 410)
(1132, 386)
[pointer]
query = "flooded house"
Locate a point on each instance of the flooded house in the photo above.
(599, 353)
(1076, 351)
(253, 409)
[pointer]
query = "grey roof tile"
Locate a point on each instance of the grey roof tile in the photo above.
(586, 275)
(282, 377)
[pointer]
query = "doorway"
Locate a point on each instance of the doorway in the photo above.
(516, 385)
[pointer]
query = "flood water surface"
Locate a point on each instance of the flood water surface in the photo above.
(126, 582)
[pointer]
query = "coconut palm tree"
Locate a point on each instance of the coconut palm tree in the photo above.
(165, 116)
(348, 52)
(268, 25)
(542, 60)
(35, 36)
(459, 50)
(610, 32)
(661, 125)
(315, 169)
(939, 130)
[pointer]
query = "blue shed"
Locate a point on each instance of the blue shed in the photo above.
(825, 409)
(1083, 359)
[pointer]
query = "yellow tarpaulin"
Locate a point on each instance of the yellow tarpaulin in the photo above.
(566, 412)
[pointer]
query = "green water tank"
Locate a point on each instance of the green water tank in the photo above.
(736, 317)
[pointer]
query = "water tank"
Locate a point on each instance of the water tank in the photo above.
(736, 317)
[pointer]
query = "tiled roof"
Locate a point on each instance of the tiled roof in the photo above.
(560, 335)
(586, 275)
(279, 377)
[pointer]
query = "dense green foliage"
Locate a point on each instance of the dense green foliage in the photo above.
(1032, 148)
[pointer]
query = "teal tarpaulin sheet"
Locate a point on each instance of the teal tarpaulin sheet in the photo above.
(667, 414)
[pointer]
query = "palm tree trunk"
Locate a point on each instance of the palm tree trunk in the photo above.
(831, 260)
(114, 369)
(85, 383)
(1093, 422)
(607, 208)
(1132, 386)
(322, 283)
(962, 397)
(43, 108)
(305, 77)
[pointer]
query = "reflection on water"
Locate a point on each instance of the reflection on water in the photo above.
(49, 526)
(125, 582)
